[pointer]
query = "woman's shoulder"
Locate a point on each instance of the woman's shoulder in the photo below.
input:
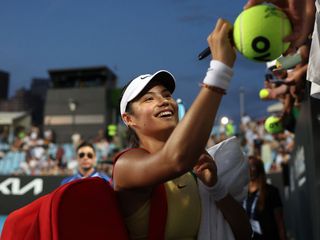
(130, 153)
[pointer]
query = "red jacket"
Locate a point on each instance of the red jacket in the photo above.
(82, 209)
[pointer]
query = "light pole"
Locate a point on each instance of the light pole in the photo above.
(73, 107)
(241, 96)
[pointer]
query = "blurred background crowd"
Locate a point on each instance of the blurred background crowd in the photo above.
(35, 152)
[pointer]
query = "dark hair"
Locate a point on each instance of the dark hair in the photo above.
(132, 138)
(86, 144)
(261, 179)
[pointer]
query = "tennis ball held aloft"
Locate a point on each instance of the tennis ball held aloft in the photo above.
(259, 31)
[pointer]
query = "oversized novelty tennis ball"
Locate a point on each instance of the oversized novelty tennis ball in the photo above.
(258, 32)
(273, 125)
(264, 93)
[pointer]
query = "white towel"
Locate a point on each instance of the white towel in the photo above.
(233, 173)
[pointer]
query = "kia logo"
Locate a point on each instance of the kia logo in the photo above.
(12, 186)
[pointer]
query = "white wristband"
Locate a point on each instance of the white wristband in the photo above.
(218, 191)
(218, 75)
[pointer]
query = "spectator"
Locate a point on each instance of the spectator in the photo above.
(102, 145)
(282, 158)
(49, 137)
(4, 134)
(263, 205)
(86, 157)
(76, 140)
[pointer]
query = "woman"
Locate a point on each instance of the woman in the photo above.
(164, 152)
(263, 205)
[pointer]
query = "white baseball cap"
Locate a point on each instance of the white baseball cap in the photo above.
(137, 85)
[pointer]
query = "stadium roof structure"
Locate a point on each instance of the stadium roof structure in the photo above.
(82, 76)
(7, 118)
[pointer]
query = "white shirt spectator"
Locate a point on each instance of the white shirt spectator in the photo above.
(313, 74)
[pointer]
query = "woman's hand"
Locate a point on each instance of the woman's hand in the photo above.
(206, 170)
(220, 45)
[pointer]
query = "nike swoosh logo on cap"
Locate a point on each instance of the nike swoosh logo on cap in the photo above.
(143, 77)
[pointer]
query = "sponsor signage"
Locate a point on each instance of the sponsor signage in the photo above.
(18, 191)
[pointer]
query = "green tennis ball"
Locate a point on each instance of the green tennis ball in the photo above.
(264, 93)
(259, 31)
(273, 125)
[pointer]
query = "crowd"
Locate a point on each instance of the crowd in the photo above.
(285, 81)
(41, 155)
(293, 76)
(273, 149)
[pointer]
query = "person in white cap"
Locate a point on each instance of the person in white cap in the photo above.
(164, 152)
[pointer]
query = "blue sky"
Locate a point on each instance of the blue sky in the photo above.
(130, 37)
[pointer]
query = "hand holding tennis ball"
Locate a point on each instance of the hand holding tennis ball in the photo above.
(259, 31)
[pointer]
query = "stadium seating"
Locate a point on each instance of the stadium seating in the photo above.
(11, 162)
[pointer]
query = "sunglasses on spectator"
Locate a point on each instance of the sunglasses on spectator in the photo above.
(82, 154)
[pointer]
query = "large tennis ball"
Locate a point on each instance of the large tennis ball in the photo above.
(273, 125)
(264, 93)
(259, 31)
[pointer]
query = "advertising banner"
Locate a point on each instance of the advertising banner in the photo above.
(18, 191)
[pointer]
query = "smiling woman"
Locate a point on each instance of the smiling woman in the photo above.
(140, 89)
(167, 158)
